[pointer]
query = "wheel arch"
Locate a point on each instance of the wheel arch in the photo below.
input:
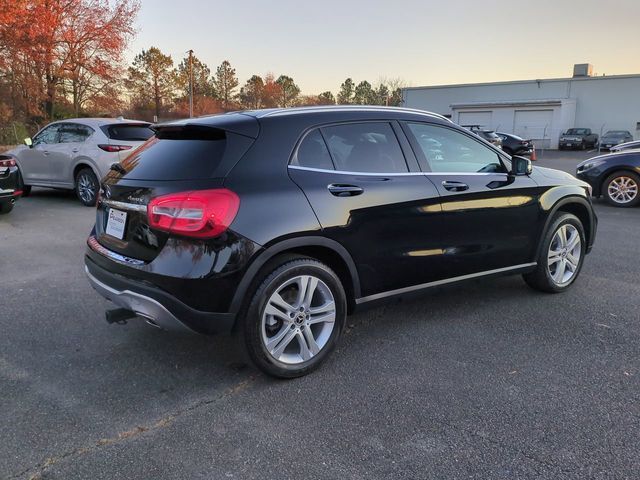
(323, 249)
(578, 206)
(79, 165)
(615, 169)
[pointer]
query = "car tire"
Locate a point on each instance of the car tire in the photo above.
(87, 187)
(5, 207)
(561, 255)
(622, 189)
(26, 191)
(286, 333)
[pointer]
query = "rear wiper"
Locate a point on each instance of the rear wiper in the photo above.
(116, 167)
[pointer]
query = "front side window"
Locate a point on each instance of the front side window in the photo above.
(442, 149)
(74, 133)
(365, 147)
(313, 153)
(48, 136)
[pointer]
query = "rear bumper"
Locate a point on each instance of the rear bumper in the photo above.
(157, 306)
(10, 185)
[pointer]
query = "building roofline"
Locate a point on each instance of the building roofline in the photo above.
(536, 80)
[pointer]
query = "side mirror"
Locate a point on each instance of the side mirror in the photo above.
(521, 166)
(28, 142)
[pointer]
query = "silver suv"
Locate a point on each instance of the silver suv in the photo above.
(74, 154)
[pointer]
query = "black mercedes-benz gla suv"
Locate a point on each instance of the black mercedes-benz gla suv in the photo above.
(278, 223)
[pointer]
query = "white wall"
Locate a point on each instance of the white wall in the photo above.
(586, 102)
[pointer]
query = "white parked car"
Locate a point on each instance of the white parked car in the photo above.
(633, 145)
(74, 154)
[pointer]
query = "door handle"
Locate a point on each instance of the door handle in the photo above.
(45, 152)
(340, 190)
(75, 150)
(455, 186)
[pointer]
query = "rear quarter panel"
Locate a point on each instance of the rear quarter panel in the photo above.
(272, 206)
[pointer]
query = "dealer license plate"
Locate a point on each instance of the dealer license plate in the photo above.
(116, 223)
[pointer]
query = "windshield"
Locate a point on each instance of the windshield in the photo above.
(615, 133)
(577, 131)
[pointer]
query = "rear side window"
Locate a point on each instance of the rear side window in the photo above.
(186, 154)
(74, 133)
(129, 132)
(313, 153)
(365, 147)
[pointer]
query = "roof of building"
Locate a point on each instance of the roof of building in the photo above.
(537, 80)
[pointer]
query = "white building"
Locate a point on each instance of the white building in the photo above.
(538, 109)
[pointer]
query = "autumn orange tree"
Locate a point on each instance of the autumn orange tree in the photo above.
(56, 52)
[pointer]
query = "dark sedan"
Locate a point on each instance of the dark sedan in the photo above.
(615, 176)
(515, 145)
(10, 183)
(615, 137)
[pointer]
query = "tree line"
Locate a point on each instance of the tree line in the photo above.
(65, 58)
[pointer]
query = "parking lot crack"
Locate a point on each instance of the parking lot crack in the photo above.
(36, 472)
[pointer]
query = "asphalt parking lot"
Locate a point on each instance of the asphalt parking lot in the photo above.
(485, 380)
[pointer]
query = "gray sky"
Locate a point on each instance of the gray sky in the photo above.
(320, 43)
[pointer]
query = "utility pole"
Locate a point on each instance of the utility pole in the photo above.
(190, 83)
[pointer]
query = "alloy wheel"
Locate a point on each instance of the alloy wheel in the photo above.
(622, 189)
(87, 187)
(565, 250)
(298, 319)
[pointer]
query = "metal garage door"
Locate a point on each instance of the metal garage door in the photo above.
(482, 119)
(534, 125)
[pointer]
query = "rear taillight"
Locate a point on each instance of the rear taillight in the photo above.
(8, 163)
(114, 148)
(199, 213)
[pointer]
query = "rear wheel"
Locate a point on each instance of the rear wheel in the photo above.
(561, 255)
(87, 187)
(295, 317)
(621, 189)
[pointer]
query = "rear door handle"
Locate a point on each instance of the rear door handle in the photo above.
(340, 190)
(45, 152)
(455, 186)
(75, 150)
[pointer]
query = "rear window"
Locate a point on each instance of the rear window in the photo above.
(131, 133)
(186, 153)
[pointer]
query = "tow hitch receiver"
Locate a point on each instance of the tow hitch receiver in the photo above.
(119, 315)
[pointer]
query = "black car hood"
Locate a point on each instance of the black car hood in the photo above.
(553, 173)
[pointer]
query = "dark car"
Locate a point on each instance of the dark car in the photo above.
(581, 138)
(278, 223)
(615, 137)
(615, 176)
(488, 135)
(515, 145)
(10, 183)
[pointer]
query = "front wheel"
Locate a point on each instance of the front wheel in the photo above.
(295, 317)
(621, 189)
(87, 187)
(561, 255)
